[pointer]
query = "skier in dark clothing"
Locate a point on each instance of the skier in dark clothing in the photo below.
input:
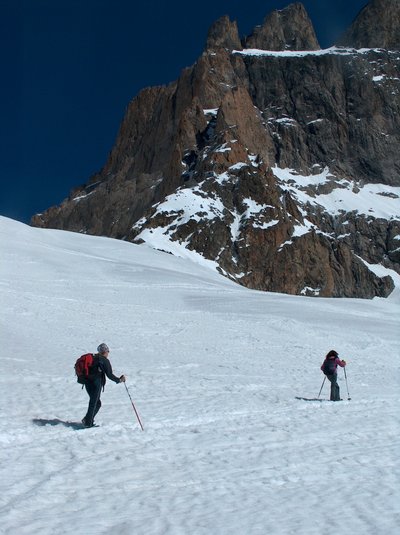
(329, 367)
(100, 368)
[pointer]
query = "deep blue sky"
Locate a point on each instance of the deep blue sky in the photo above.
(70, 67)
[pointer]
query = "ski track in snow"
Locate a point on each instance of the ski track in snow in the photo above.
(214, 371)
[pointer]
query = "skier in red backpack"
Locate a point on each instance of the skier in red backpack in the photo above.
(329, 367)
(96, 379)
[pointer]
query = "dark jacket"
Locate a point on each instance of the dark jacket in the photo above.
(330, 365)
(101, 367)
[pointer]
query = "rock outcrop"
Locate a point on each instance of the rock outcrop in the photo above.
(279, 164)
(377, 26)
(223, 34)
(286, 29)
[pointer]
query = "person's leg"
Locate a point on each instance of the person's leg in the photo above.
(93, 389)
(332, 380)
(335, 390)
(97, 408)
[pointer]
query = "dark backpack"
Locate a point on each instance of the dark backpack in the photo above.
(82, 366)
(329, 366)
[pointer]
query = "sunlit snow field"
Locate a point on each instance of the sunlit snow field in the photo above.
(214, 371)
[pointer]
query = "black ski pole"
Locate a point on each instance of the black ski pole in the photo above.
(134, 408)
(347, 386)
(322, 386)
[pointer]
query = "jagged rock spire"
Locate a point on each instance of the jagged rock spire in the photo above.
(286, 29)
(376, 26)
(223, 34)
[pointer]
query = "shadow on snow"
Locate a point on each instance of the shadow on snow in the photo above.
(56, 421)
(311, 399)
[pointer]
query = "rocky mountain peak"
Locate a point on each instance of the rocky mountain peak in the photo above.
(376, 26)
(223, 34)
(279, 164)
(286, 29)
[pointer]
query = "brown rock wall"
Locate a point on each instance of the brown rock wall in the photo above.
(219, 130)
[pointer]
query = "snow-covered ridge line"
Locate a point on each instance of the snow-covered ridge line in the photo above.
(341, 51)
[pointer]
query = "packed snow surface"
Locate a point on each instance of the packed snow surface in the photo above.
(215, 372)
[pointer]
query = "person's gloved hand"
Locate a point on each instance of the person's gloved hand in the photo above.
(122, 379)
(344, 362)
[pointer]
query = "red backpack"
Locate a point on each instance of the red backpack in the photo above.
(82, 366)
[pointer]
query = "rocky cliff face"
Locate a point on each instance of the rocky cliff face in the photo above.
(273, 159)
(377, 26)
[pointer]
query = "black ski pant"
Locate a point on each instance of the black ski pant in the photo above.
(93, 388)
(335, 390)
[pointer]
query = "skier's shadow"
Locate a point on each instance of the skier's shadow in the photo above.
(56, 421)
(310, 399)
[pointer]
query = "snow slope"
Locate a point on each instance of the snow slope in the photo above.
(214, 370)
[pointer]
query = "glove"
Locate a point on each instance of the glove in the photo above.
(122, 379)
(344, 362)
